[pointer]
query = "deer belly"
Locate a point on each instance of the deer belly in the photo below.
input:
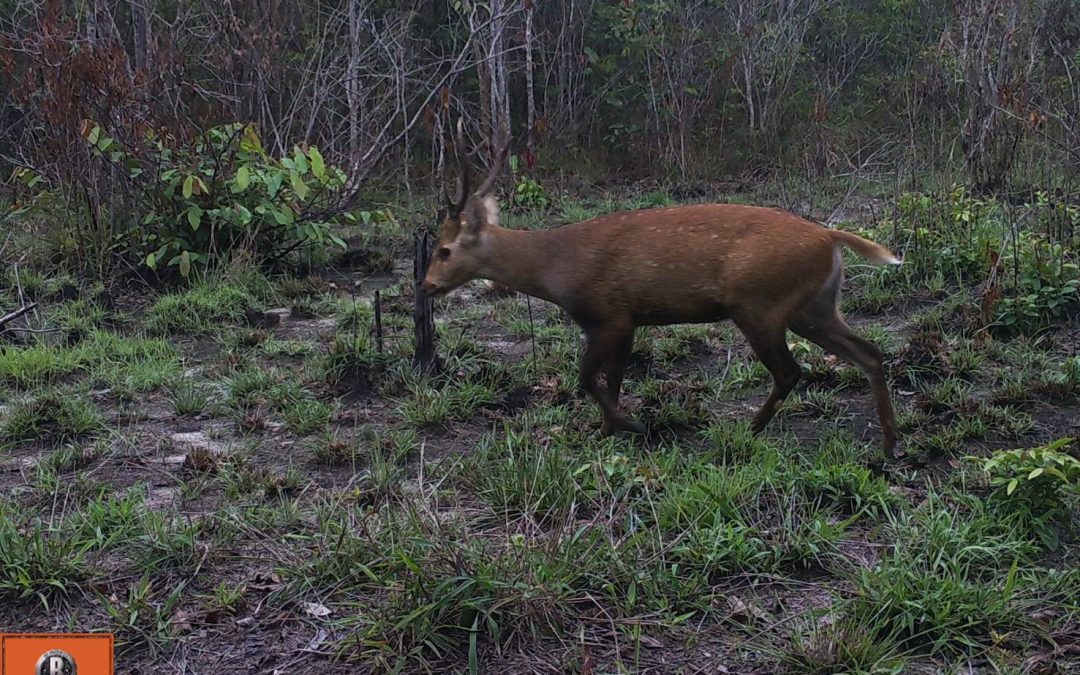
(673, 314)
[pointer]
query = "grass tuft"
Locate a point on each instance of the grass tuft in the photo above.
(200, 309)
(53, 417)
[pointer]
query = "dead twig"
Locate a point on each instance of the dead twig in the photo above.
(16, 314)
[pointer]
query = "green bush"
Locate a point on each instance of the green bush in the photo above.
(1034, 479)
(529, 194)
(962, 239)
(1047, 289)
(222, 192)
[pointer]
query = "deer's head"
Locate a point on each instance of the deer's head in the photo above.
(462, 250)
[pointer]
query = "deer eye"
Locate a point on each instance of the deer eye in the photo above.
(444, 253)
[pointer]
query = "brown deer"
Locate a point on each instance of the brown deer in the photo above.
(765, 269)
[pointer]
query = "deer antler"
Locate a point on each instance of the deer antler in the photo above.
(496, 168)
(456, 205)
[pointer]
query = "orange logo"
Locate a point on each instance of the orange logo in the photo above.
(56, 654)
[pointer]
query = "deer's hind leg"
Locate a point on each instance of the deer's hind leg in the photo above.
(821, 323)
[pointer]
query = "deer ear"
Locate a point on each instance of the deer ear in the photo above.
(479, 214)
(490, 211)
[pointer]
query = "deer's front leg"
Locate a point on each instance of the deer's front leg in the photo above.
(608, 347)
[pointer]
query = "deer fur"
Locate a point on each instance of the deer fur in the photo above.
(767, 270)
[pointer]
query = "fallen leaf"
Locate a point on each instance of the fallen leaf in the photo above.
(317, 640)
(317, 609)
(265, 582)
(651, 642)
(745, 611)
(181, 622)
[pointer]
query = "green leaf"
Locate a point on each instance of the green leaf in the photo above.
(1035, 473)
(318, 166)
(284, 216)
(409, 562)
(250, 142)
(185, 264)
(273, 183)
(1010, 579)
(194, 217)
(1012, 486)
(189, 183)
(151, 261)
(474, 658)
(299, 186)
(300, 161)
(243, 177)
(1057, 473)
(1059, 443)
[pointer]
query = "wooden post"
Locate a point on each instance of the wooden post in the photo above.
(378, 322)
(425, 360)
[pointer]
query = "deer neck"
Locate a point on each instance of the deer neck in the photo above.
(523, 260)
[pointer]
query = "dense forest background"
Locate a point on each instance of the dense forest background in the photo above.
(128, 125)
(695, 89)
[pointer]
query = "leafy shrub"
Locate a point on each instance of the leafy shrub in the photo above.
(529, 194)
(220, 193)
(1035, 477)
(1031, 281)
(947, 232)
(1047, 291)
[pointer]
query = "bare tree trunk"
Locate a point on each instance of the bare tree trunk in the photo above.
(140, 19)
(500, 94)
(352, 82)
(92, 21)
(483, 70)
(530, 98)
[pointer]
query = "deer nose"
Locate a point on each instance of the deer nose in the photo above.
(427, 288)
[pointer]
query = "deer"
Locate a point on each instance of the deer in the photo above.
(765, 269)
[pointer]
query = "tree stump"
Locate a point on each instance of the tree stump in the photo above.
(425, 359)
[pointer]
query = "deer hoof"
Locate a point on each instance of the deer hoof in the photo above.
(889, 445)
(621, 424)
